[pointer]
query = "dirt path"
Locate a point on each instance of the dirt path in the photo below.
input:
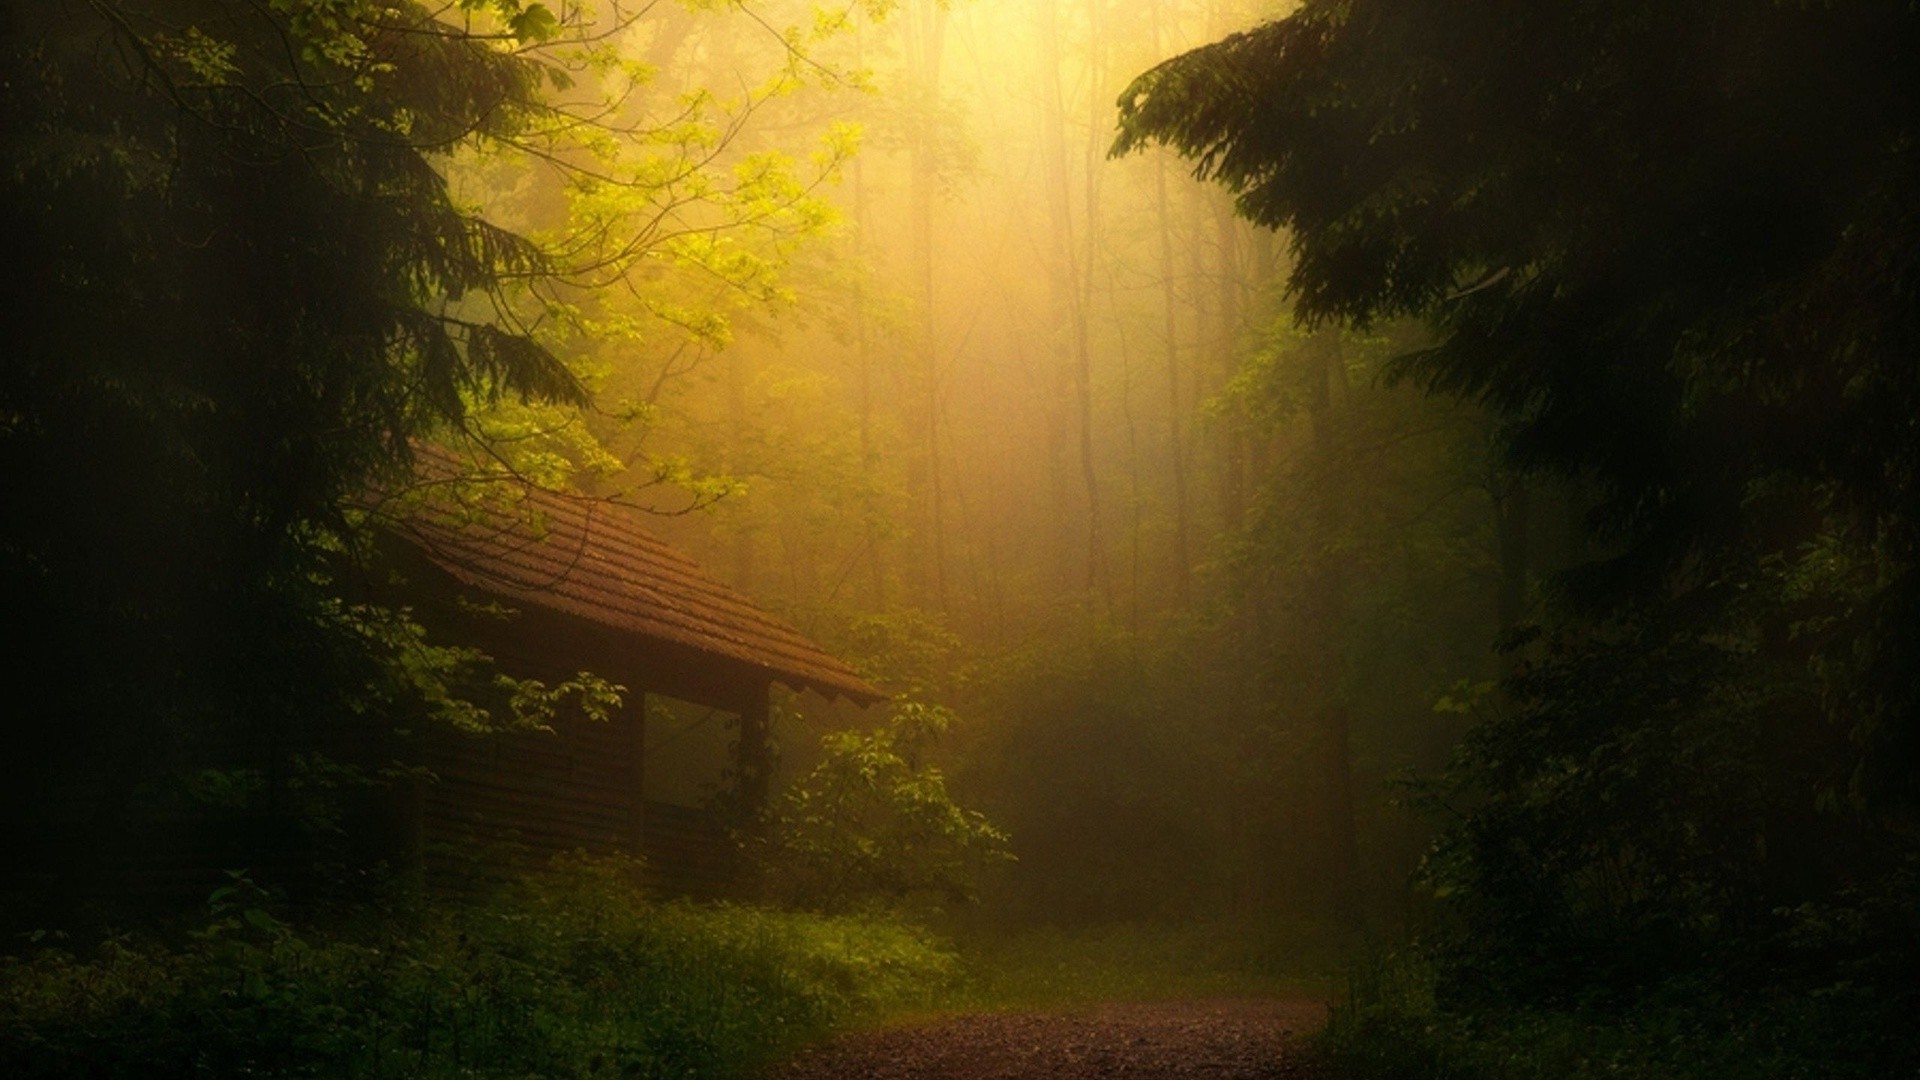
(1214, 1040)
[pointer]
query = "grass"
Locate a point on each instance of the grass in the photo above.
(575, 976)
(1046, 968)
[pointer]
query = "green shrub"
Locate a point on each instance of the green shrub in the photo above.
(873, 823)
(1390, 1028)
(574, 975)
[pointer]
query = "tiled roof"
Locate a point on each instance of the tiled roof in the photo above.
(596, 560)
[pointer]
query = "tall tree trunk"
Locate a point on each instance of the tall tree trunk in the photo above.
(1206, 346)
(1170, 304)
(1176, 403)
(925, 29)
(737, 424)
(1329, 584)
(1227, 285)
(1098, 582)
(1070, 286)
(863, 357)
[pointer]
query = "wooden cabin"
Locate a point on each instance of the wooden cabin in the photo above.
(550, 586)
(563, 584)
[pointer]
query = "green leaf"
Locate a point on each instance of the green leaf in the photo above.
(535, 23)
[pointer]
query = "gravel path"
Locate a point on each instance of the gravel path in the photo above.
(1214, 1040)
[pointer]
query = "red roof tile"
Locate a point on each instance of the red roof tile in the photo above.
(596, 560)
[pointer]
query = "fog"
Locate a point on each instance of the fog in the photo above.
(1029, 428)
(643, 535)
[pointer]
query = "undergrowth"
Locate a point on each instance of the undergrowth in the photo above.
(1389, 1027)
(574, 975)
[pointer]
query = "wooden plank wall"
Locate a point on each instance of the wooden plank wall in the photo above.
(519, 798)
(507, 803)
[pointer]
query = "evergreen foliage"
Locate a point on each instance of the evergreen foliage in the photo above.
(1673, 247)
(271, 248)
(250, 289)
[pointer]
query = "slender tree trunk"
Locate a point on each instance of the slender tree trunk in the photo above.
(926, 31)
(1233, 482)
(1059, 282)
(1170, 304)
(1098, 581)
(1206, 347)
(863, 358)
(1329, 582)
(1343, 854)
(738, 423)
(1070, 285)
(1176, 404)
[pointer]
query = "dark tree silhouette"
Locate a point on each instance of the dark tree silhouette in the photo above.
(241, 286)
(1675, 248)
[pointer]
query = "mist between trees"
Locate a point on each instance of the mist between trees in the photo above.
(1439, 477)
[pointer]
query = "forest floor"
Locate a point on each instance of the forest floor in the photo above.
(1209, 1039)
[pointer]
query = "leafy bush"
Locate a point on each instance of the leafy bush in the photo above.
(873, 822)
(1390, 1028)
(573, 975)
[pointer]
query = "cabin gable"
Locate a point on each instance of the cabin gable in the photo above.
(567, 584)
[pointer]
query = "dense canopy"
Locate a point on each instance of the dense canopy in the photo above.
(1673, 247)
(1307, 473)
(244, 287)
(1675, 242)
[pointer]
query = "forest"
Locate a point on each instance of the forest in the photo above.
(681, 538)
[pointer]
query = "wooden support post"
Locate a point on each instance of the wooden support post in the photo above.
(636, 720)
(404, 842)
(755, 761)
